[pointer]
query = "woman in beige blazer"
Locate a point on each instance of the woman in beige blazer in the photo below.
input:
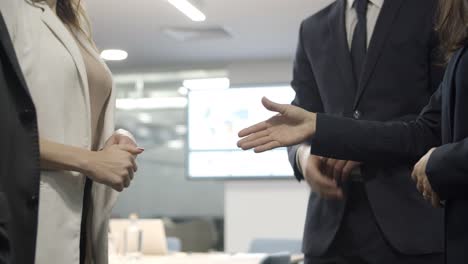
(83, 161)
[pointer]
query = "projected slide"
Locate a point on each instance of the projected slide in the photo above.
(215, 118)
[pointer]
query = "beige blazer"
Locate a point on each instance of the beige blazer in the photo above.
(56, 76)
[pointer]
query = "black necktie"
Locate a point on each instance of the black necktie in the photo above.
(359, 44)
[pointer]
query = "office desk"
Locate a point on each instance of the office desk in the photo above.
(194, 259)
(212, 258)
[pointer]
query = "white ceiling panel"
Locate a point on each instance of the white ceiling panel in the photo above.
(260, 29)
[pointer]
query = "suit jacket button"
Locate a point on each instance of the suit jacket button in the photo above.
(34, 201)
(27, 115)
(357, 114)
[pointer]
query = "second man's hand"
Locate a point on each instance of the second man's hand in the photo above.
(340, 170)
(312, 169)
(292, 125)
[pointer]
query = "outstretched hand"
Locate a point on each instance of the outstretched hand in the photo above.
(292, 125)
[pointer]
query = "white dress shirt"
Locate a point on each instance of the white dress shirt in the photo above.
(373, 12)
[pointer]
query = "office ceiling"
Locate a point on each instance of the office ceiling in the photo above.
(259, 29)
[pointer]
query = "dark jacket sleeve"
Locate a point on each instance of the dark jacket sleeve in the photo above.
(307, 93)
(378, 142)
(447, 170)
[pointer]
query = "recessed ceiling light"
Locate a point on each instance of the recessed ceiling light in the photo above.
(189, 10)
(207, 84)
(114, 55)
(197, 33)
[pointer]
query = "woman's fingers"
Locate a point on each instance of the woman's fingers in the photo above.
(134, 164)
(131, 149)
(419, 185)
(413, 176)
(427, 196)
(125, 140)
(127, 180)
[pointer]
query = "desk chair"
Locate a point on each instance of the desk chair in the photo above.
(279, 258)
(272, 246)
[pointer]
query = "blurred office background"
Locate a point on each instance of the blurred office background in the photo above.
(250, 43)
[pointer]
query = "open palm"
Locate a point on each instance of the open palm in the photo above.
(291, 126)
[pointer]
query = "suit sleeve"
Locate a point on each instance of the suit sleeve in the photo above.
(307, 93)
(447, 170)
(378, 142)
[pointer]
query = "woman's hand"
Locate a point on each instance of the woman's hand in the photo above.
(113, 166)
(422, 182)
(120, 137)
(292, 125)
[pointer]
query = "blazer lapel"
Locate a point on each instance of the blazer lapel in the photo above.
(382, 29)
(66, 38)
(339, 44)
(448, 102)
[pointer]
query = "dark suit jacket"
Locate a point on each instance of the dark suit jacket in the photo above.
(19, 160)
(398, 79)
(443, 120)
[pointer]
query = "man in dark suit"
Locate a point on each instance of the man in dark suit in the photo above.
(370, 60)
(443, 121)
(19, 160)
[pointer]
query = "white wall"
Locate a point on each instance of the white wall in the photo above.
(260, 72)
(262, 208)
